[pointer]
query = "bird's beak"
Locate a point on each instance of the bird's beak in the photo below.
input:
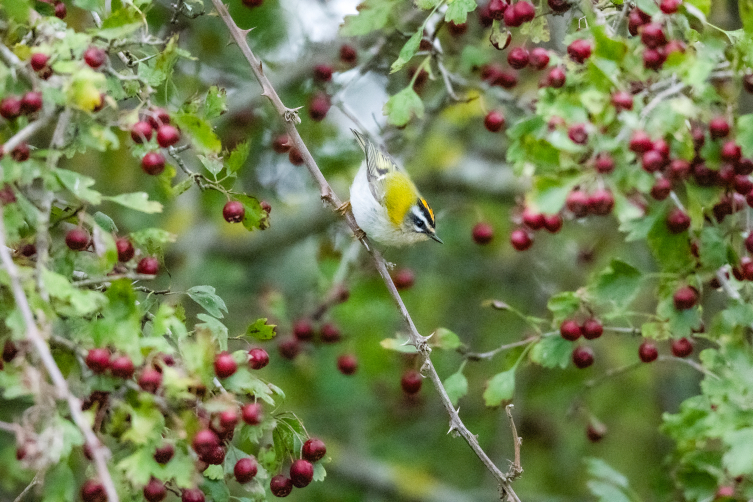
(434, 236)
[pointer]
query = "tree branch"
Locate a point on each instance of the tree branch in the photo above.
(100, 453)
(290, 119)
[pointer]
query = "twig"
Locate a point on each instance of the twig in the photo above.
(675, 89)
(696, 366)
(28, 131)
(110, 278)
(9, 427)
(516, 470)
(100, 453)
(481, 356)
(722, 278)
(290, 119)
(31, 485)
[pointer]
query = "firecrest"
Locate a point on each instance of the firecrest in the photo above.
(386, 203)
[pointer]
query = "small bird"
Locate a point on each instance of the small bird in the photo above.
(386, 203)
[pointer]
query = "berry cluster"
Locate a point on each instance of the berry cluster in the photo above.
(157, 119)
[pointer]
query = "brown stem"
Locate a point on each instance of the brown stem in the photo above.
(290, 119)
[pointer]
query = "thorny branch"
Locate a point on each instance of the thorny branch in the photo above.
(100, 453)
(328, 196)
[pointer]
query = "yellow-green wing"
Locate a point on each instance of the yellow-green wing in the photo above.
(378, 165)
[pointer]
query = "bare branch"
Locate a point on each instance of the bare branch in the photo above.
(100, 453)
(328, 196)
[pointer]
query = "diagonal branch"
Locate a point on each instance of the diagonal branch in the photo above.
(100, 454)
(290, 119)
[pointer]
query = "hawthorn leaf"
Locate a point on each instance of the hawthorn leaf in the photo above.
(500, 388)
(619, 282)
(457, 11)
(218, 329)
(215, 103)
(136, 200)
(105, 222)
(206, 297)
(408, 51)
(203, 137)
(563, 305)
(445, 339)
(78, 185)
(552, 351)
(372, 15)
(256, 217)
(456, 386)
(120, 24)
(212, 163)
(237, 157)
(260, 330)
(401, 107)
(737, 460)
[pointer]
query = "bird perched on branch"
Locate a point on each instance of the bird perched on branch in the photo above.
(386, 203)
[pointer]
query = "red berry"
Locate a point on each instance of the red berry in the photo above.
(653, 59)
(622, 100)
(570, 330)
(251, 413)
(148, 266)
(95, 57)
(748, 83)
(559, 6)
(577, 202)
(524, 11)
(39, 61)
(592, 329)
(257, 358)
(31, 102)
(670, 6)
(661, 147)
(10, 107)
(348, 54)
(233, 212)
(604, 163)
(457, 30)
(289, 348)
(192, 495)
(280, 486)
(652, 161)
(534, 221)
(98, 360)
(153, 163)
(742, 184)
(215, 456)
(718, 127)
(497, 8)
(511, 17)
(323, 72)
(21, 153)
(295, 157)
(301, 473)
(518, 58)
(583, 357)
(578, 134)
(679, 169)
(28, 250)
(122, 367)
(252, 3)
(303, 330)
(155, 490)
(141, 132)
(704, 176)
(313, 449)
(556, 77)
(731, 152)
(521, 239)
(125, 249)
(329, 333)
(245, 469)
(164, 453)
(319, 106)
(601, 202)
(150, 380)
(661, 189)
(228, 419)
(678, 221)
(506, 79)
(77, 239)
(682, 347)
(158, 117)
(494, 121)
(749, 242)
(205, 441)
(724, 492)
(579, 50)
(640, 142)
(652, 35)
(265, 206)
(224, 365)
(347, 364)
(744, 166)
(634, 22)
(281, 143)
(93, 491)
(647, 352)
(411, 382)
(404, 278)
(685, 298)
(167, 135)
(9, 351)
(60, 10)
(596, 432)
(538, 58)
(482, 233)
(552, 223)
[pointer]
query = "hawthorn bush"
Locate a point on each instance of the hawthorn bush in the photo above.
(590, 164)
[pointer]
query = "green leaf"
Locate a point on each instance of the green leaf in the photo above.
(671, 251)
(408, 51)
(427, 4)
(537, 30)
(81, 301)
(401, 107)
(738, 460)
(78, 185)
(215, 102)
(136, 200)
(237, 157)
(445, 339)
(120, 24)
(456, 386)
(563, 305)
(647, 6)
(83, 91)
(201, 132)
(372, 15)
(152, 239)
(607, 47)
(500, 388)
(260, 330)
(712, 248)
(206, 297)
(218, 329)
(705, 7)
(18, 10)
(744, 133)
(552, 351)
(212, 163)
(105, 222)
(619, 282)
(457, 11)
(550, 192)
(256, 217)
(59, 483)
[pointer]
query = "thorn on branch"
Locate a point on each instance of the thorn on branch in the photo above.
(291, 115)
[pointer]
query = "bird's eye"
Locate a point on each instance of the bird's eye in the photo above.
(420, 224)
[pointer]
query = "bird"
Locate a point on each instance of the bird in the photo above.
(385, 202)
